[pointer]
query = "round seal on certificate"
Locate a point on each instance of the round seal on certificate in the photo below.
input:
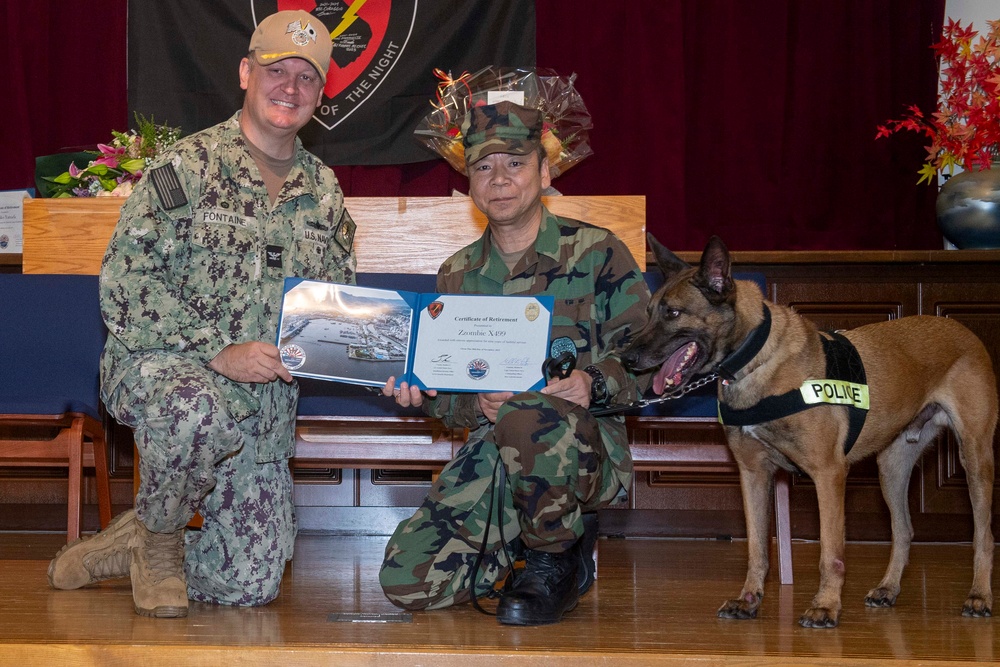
(292, 357)
(478, 369)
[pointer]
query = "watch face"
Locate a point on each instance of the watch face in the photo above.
(598, 386)
(599, 390)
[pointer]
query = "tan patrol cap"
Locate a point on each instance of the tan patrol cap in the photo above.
(293, 34)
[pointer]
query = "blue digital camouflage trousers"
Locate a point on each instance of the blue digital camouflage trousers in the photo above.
(556, 469)
(193, 457)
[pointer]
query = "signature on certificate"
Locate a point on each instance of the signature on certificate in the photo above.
(517, 361)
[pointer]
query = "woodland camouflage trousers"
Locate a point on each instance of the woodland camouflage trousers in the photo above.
(556, 469)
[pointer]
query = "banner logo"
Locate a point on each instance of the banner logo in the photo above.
(369, 37)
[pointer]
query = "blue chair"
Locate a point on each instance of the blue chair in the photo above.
(51, 337)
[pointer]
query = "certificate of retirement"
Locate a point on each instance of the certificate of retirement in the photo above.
(449, 342)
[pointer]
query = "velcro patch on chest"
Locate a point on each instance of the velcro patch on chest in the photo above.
(837, 392)
(316, 236)
(221, 216)
(274, 253)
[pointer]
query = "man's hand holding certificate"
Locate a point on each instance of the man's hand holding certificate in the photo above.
(449, 342)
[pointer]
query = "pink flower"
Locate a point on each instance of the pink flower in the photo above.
(109, 155)
(74, 171)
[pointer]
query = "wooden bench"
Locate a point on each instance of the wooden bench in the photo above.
(412, 236)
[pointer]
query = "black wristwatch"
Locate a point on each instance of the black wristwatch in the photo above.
(598, 386)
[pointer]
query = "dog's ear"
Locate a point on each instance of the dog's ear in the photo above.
(714, 277)
(668, 262)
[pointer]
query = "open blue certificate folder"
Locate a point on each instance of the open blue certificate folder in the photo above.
(451, 342)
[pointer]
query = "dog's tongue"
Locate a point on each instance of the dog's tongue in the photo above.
(669, 374)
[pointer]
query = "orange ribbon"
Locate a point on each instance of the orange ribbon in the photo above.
(446, 83)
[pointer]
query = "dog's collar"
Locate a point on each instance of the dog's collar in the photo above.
(748, 349)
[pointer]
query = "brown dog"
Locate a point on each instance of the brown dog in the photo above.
(923, 374)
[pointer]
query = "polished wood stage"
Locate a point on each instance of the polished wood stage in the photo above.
(654, 604)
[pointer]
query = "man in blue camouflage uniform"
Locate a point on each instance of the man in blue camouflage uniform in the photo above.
(191, 290)
(538, 460)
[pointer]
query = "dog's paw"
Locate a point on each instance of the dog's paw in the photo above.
(880, 597)
(976, 607)
(741, 608)
(818, 617)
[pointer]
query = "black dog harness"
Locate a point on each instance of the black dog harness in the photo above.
(845, 384)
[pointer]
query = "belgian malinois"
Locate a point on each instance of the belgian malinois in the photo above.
(920, 374)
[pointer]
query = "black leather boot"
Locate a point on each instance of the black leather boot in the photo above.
(546, 589)
(588, 566)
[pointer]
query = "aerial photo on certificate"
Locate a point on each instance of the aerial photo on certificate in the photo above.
(344, 332)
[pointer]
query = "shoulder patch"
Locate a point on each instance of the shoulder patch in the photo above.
(345, 231)
(168, 187)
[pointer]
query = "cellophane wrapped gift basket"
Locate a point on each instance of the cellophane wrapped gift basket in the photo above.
(566, 124)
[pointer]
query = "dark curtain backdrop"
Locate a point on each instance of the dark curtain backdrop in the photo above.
(751, 120)
(64, 81)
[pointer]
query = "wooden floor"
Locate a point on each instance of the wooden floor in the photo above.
(654, 604)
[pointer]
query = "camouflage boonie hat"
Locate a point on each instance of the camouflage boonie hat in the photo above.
(500, 128)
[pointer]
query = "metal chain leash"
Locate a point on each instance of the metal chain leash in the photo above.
(643, 402)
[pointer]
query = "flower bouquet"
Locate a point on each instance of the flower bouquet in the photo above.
(965, 129)
(117, 166)
(566, 119)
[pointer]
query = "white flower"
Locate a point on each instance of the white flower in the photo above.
(123, 189)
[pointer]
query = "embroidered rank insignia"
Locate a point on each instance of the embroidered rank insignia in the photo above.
(345, 231)
(274, 256)
(168, 187)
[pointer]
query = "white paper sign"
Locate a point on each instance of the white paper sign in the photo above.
(498, 96)
(12, 220)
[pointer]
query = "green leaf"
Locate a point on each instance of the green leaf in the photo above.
(133, 165)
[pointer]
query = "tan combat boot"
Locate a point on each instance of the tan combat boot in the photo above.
(94, 558)
(159, 587)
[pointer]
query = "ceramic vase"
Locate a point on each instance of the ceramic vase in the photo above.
(968, 208)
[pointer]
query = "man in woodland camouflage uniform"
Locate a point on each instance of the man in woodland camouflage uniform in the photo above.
(560, 463)
(191, 290)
